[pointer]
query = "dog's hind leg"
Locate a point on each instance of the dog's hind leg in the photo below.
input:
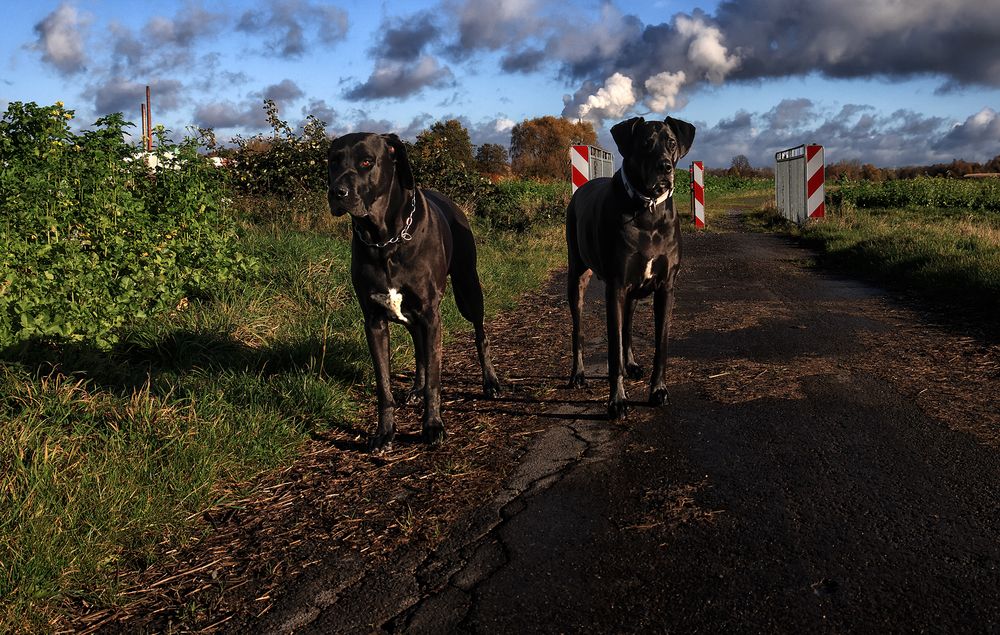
(632, 368)
(420, 363)
(377, 334)
(469, 299)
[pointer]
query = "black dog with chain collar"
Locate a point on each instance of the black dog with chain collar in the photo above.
(407, 241)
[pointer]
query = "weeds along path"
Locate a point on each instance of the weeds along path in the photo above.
(829, 462)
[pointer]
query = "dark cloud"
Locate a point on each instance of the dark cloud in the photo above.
(864, 39)
(528, 60)
(855, 132)
(227, 115)
(402, 68)
(405, 38)
(790, 114)
(402, 79)
(166, 43)
(752, 40)
(286, 22)
(249, 114)
(61, 39)
(978, 135)
(283, 93)
(192, 22)
(118, 94)
(321, 110)
(361, 122)
(492, 24)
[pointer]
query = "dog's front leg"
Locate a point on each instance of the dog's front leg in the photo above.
(433, 427)
(377, 334)
(663, 306)
(632, 367)
(615, 302)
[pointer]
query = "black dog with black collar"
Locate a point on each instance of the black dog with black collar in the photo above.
(625, 230)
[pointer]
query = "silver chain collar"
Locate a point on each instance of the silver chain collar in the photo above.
(647, 202)
(403, 234)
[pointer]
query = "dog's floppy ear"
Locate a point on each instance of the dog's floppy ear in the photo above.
(397, 149)
(683, 132)
(622, 131)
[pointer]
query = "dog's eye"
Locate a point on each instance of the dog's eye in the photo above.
(366, 163)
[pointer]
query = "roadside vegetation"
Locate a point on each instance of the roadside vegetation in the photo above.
(938, 237)
(170, 333)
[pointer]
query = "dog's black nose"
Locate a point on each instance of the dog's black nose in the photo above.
(340, 191)
(665, 166)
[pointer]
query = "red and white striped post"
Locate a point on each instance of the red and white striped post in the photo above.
(579, 157)
(815, 181)
(698, 193)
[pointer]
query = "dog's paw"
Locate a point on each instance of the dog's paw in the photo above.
(617, 410)
(634, 371)
(578, 380)
(433, 432)
(380, 442)
(493, 390)
(659, 397)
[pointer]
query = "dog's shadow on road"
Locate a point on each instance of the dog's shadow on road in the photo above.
(542, 396)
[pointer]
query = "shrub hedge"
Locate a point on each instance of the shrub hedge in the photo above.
(91, 236)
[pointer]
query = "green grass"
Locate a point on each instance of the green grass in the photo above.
(110, 457)
(921, 192)
(949, 255)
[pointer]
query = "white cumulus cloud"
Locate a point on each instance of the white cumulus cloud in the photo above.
(706, 51)
(663, 90)
(611, 101)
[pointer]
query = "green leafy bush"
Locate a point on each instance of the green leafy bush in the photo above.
(91, 236)
(520, 205)
(437, 168)
(284, 164)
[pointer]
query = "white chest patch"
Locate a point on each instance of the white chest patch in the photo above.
(649, 269)
(393, 301)
(396, 304)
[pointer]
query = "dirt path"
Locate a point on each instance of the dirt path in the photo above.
(829, 462)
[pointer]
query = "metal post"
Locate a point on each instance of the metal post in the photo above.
(149, 123)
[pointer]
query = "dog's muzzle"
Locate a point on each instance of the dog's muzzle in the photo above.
(343, 202)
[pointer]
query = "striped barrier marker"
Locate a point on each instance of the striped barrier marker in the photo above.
(698, 193)
(580, 160)
(815, 181)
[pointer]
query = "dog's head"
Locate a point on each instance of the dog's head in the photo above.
(651, 150)
(364, 169)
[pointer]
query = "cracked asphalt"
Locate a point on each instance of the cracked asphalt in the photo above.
(803, 479)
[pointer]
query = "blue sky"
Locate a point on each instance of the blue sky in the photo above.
(891, 82)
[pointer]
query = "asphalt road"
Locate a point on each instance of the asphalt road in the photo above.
(789, 487)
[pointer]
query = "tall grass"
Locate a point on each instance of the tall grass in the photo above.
(948, 254)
